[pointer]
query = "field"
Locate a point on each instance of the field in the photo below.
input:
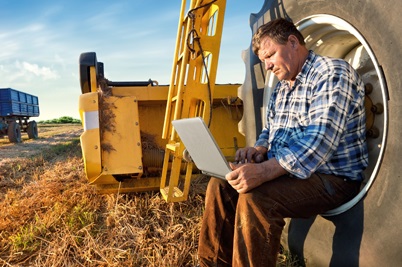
(51, 216)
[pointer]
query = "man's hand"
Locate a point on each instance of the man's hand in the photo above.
(245, 177)
(250, 155)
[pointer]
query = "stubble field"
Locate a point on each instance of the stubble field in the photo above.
(51, 216)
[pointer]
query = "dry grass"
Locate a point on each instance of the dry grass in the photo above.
(50, 216)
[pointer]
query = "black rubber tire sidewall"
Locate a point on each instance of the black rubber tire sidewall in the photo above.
(14, 132)
(32, 130)
(380, 24)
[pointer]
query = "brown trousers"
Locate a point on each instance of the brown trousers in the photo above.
(245, 229)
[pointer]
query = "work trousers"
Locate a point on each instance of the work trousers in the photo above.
(245, 229)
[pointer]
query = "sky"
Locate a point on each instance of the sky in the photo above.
(41, 41)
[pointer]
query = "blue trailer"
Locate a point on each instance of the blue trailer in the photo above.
(16, 108)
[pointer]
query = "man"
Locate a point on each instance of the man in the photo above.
(308, 159)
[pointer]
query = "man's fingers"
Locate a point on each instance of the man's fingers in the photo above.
(259, 158)
(233, 166)
(245, 155)
(235, 183)
(231, 176)
(250, 155)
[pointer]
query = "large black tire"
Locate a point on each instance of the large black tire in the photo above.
(32, 130)
(14, 132)
(368, 234)
(86, 61)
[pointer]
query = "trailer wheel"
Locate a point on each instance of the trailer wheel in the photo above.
(32, 130)
(14, 132)
(366, 33)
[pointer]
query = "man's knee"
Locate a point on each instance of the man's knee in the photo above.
(215, 185)
(249, 200)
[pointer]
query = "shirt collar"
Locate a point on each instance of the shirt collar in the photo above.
(308, 64)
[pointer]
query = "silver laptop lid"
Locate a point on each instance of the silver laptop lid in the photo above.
(202, 146)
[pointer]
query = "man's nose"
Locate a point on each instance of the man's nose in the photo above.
(268, 65)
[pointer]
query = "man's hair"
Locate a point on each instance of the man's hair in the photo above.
(277, 30)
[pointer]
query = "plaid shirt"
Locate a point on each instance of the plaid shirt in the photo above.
(318, 125)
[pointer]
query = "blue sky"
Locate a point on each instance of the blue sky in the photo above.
(41, 41)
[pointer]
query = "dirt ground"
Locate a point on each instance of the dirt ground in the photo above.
(48, 135)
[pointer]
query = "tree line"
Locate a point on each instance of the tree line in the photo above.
(64, 119)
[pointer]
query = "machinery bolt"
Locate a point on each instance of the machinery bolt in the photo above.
(373, 132)
(377, 108)
(368, 88)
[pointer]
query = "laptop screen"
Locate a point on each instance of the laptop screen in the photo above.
(202, 146)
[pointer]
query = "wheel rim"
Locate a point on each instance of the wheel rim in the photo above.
(331, 36)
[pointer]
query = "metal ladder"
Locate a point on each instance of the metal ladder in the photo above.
(191, 86)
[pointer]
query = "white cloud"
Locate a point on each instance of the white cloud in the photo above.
(44, 72)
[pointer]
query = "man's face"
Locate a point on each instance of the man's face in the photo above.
(280, 59)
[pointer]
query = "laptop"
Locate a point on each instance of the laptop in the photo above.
(202, 147)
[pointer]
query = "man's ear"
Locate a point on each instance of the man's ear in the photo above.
(294, 42)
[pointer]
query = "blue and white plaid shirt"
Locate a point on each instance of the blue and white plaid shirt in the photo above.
(318, 125)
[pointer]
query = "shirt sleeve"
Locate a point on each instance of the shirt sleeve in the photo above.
(328, 112)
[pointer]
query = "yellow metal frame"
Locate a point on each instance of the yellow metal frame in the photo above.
(121, 137)
(191, 85)
(110, 142)
(150, 103)
(114, 157)
(103, 144)
(90, 138)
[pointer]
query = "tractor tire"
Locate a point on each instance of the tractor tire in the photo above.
(14, 132)
(32, 130)
(86, 61)
(366, 231)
